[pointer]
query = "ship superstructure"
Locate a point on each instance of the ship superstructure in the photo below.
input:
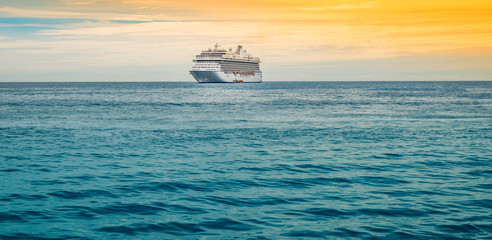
(220, 66)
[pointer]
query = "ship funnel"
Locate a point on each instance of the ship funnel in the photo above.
(216, 46)
(238, 49)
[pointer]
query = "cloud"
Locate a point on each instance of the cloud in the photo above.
(75, 2)
(102, 16)
(20, 12)
(106, 44)
(367, 5)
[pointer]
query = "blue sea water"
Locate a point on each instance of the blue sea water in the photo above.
(276, 160)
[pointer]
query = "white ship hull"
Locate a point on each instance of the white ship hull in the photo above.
(222, 77)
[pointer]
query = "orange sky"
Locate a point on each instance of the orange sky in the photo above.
(313, 31)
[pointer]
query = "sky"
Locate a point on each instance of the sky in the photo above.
(310, 40)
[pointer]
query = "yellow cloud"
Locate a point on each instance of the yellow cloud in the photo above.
(314, 30)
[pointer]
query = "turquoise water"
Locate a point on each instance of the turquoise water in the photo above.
(276, 160)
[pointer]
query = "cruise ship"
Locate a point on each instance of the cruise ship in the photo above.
(220, 66)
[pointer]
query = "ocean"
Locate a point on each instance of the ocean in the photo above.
(275, 160)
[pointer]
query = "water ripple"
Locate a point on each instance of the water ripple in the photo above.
(82, 194)
(277, 160)
(173, 228)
